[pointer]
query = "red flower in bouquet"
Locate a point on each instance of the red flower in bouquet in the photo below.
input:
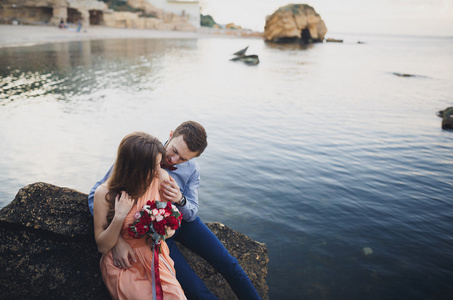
(173, 222)
(141, 228)
(152, 220)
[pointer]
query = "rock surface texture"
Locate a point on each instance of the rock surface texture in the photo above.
(447, 118)
(48, 251)
(295, 22)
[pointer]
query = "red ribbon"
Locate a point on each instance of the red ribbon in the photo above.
(159, 292)
(156, 285)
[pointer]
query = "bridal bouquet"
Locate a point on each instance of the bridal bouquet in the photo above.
(153, 218)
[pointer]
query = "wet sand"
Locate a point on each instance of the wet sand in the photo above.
(28, 35)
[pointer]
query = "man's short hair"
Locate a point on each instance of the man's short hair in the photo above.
(194, 135)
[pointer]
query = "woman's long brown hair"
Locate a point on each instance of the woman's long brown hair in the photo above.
(134, 169)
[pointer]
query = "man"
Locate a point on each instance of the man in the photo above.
(188, 141)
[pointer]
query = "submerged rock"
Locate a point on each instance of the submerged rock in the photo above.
(48, 250)
(247, 59)
(447, 117)
(295, 23)
(404, 74)
(367, 251)
(331, 40)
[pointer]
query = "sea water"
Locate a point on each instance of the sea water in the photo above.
(321, 152)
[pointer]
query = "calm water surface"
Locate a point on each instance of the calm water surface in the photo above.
(317, 152)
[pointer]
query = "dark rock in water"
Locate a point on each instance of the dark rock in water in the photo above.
(407, 75)
(330, 40)
(48, 249)
(447, 117)
(241, 52)
(404, 74)
(247, 59)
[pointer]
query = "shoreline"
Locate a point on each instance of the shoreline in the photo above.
(29, 35)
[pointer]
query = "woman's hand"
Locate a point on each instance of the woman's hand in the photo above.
(123, 205)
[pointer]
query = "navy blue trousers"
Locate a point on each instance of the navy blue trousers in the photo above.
(197, 237)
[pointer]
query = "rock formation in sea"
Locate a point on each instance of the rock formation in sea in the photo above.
(48, 251)
(250, 60)
(295, 23)
(447, 117)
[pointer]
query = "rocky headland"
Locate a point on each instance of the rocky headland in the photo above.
(48, 249)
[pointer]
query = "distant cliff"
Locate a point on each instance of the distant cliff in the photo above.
(121, 14)
(48, 251)
(295, 23)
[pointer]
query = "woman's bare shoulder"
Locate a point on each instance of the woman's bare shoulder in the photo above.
(101, 190)
(163, 175)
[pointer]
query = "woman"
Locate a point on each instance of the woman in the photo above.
(135, 179)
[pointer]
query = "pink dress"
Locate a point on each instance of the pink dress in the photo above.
(135, 282)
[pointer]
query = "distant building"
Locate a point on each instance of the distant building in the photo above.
(52, 12)
(186, 8)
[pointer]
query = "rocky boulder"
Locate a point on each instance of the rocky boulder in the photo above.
(48, 250)
(295, 23)
(447, 118)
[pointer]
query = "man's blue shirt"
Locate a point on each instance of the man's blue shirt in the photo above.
(187, 176)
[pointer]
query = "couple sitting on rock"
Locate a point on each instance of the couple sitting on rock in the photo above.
(131, 269)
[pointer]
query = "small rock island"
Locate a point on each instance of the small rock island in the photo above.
(295, 23)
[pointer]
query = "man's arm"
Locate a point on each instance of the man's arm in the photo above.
(184, 182)
(93, 189)
(190, 210)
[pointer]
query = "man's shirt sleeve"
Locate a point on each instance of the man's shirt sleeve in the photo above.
(190, 210)
(93, 189)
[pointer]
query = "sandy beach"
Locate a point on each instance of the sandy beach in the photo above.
(28, 35)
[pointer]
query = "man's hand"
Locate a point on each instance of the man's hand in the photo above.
(169, 232)
(170, 191)
(121, 253)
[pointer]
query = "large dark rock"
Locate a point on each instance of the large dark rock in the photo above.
(447, 118)
(48, 251)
